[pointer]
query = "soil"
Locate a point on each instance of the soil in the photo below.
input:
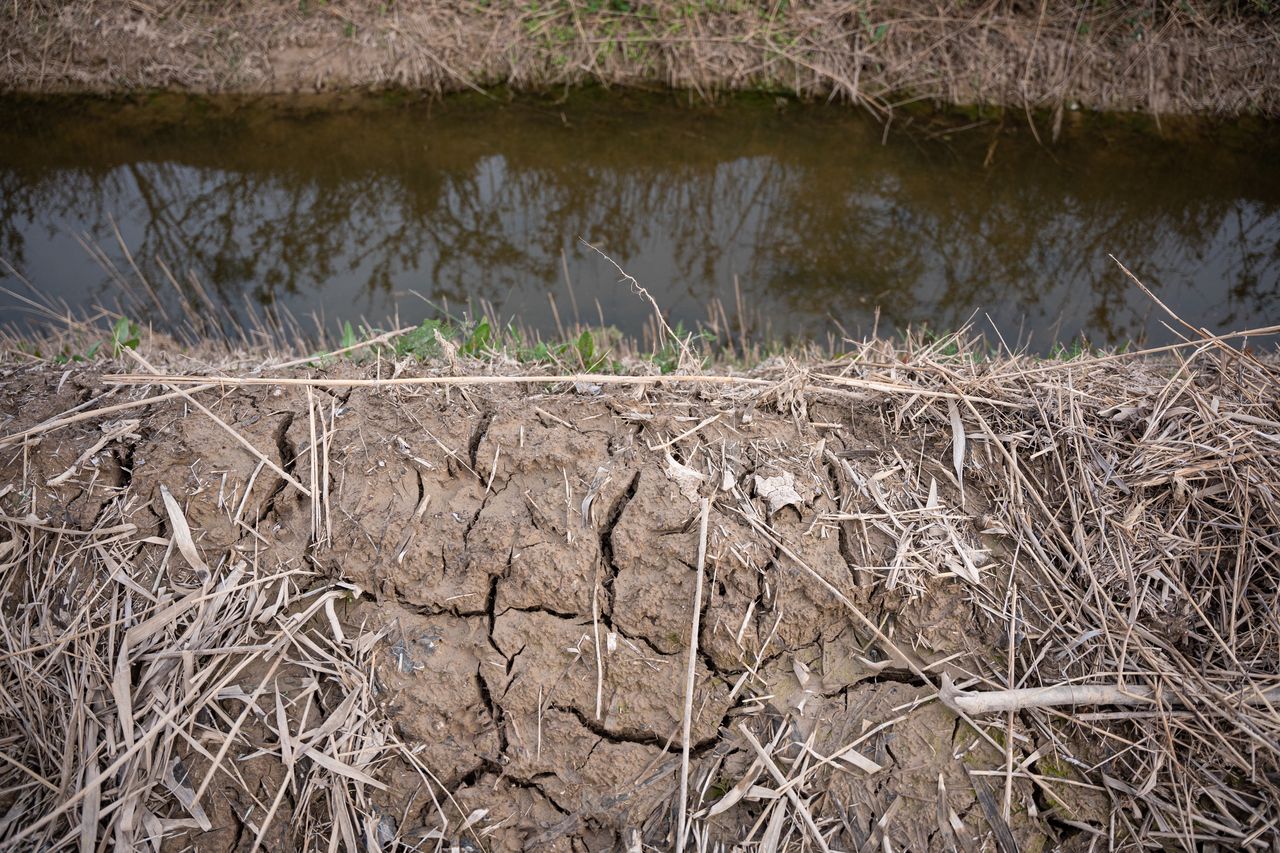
(1165, 58)
(528, 563)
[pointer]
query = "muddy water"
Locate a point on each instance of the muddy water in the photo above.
(823, 219)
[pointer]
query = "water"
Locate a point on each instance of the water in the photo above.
(348, 210)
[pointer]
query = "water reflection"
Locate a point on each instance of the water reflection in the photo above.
(348, 213)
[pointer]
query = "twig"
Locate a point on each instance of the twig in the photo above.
(998, 701)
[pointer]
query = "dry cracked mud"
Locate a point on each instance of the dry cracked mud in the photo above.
(527, 560)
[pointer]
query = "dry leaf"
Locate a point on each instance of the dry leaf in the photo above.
(686, 478)
(779, 491)
(957, 444)
(182, 533)
(737, 792)
(857, 759)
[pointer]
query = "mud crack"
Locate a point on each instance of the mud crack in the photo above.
(495, 711)
(477, 436)
(606, 546)
(288, 463)
(642, 738)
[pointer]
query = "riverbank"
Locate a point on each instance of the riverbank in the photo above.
(385, 600)
(1196, 58)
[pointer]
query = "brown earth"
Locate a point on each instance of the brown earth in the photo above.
(1187, 58)
(523, 564)
(500, 537)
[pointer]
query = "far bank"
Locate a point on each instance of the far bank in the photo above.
(1193, 58)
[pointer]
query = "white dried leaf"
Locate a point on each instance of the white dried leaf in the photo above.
(333, 765)
(737, 792)
(971, 560)
(760, 792)
(181, 533)
(687, 479)
(860, 761)
(779, 491)
(801, 670)
(957, 444)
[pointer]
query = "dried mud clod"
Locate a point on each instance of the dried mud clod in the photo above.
(464, 618)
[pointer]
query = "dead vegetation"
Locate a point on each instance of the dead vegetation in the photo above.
(910, 598)
(1191, 58)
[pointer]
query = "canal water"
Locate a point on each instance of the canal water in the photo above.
(777, 218)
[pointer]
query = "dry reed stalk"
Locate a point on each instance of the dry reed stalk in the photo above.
(690, 672)
(533, 379)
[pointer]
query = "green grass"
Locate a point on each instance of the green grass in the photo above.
(589, 351)
(584, 350)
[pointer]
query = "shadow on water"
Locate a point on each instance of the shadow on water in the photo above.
(352, 210)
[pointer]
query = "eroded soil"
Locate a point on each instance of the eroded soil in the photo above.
(528, 559)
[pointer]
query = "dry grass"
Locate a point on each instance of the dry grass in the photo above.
(1163, 58)
(114, 666)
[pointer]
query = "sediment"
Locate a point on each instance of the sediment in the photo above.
(459, 614)
(1207, 59)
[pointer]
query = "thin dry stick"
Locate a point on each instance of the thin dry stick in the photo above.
(1205, 334)
(686, 357)
(314, 472)
(595, 626)
(682, 436)
(402, 381)
(681, 828)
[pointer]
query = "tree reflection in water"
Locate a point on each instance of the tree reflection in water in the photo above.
(344, 212)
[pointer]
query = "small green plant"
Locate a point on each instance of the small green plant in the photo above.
(588, 351)
(125, 334)
(421, 343)
(72, 357)
(349, 338)
(478, 342)
(1069, 352)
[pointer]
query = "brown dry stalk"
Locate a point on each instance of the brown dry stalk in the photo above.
(533, 379)
(691, 670)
